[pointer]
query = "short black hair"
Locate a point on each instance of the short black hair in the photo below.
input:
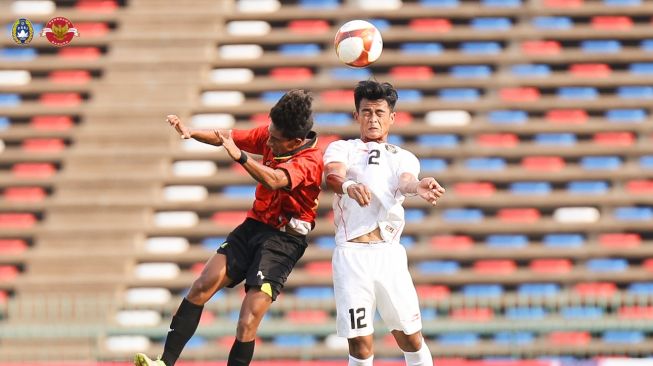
(373, 90)
(293, 115)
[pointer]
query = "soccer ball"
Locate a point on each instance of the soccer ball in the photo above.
(358, 43)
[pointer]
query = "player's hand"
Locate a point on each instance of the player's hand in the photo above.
(175, 122)
(229, 144)
(360, 193)
(430, 190)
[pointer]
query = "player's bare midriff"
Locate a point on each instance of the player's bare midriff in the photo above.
(373, 236)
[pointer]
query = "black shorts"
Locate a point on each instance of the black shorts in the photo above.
(261, 255)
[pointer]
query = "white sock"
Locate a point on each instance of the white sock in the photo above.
(353, 361)
(422, 357)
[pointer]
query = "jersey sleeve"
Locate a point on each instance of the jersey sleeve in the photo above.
(252, 141)
(337, 151)
(306, 168)
(409, 164)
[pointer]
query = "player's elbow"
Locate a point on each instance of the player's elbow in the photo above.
(273, 183)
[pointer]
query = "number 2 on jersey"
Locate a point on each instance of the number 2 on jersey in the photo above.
(374, 154)
(357, 320)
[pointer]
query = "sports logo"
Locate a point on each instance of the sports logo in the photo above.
(59, 31)
(22, 32)
(391, 148)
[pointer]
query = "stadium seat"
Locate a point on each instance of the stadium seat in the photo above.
(411, 72)
(538, 289)
(506, 140)
(60, 123)
(512, 338)
(240, 52)
(319, 268)
(14, 77)
(421, 48)
(438, 267)
(138, 318)
(636, 312)
(169, 245)
(410, 95)
(635, 92)
(633, 213)
(147, 296)
(432, 292)
(69, 76)
(625, 115)
(474, 189)
(223, 98)
(229, 218)
(494, 267)
(308, 26)
(640, 186)
(485, 164)
(614, 138)
(33, 170)
(9, 100)
(600, 162)
(185, 193)
(541, 47)
(501, 3)
(623, 336)
(127, 343)
(42, 145)
(348, 73)
(560, 139)
(553, 22)
(482, 290)
(472, 314)
(433, 165)
(291, 73)
(18, 54)
(315, 293)
(157, 271)
(337, 96)
(507, 117)
(332, 119)
(24, 194)
(588, 187)
(96, 6)
(439, 3)
(543, 163)
(524, 94)
(574, 93)
(213, 120)
(646, 162)
(530, 70)
(458, 339)
(300, 49)
(258, 6)
(563, 240)
(60, 99)
(557, 266)
(459, 94)
(446, 118)
(239, 191)
(12, 246)
(641, 68)
(607, 265)
(438, 141)
(452, 242)
(469, 215)
(307, 316)
(79, 53)
(620, 240)
(590, 70)
(480, 48)
(470, 71)
(578, 338)
(491, 24)
(518, 215)
(525, 313)
(600, 46)
(231, 75)
(176, 219)
(15, 220)
(595, 289)
(622, 2)
(193, 168)
(576, 215)
(577, 116)
(506, 241)
(93, 29)
(582, 312)
(617, 23)
(319, 4)
(430, 25)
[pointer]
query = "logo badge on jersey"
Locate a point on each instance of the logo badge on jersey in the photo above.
(22, 32)
(59, 31)
(391, 148)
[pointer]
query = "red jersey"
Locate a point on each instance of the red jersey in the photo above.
(304, 167)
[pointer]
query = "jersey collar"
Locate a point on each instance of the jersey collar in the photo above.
(312, 142)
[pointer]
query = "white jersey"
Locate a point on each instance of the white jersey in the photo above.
(378, 166)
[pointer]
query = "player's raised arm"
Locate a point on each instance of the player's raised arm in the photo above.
(427, 188)
(206, 136)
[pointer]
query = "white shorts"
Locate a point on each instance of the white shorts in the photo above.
(367, 277)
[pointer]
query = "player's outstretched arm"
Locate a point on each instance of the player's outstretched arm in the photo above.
(206, 136)
(427, 188)
(336, 180)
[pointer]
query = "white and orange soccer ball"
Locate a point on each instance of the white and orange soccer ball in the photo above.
(358, 43)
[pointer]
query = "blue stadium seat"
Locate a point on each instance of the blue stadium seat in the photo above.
(647, 45)
(578, 92)
(538, 289)
(641, 68)
(196, 342)
(381, 24)
(408, 241)
(491, 23)
(300, 49)
(9, 100)
(622, 2)
(514, 338)
(530, 188)
(633, 213)
(462, 215)
(439, 3)
(438, 141)
(349, 73)
(626, 115)
(433, 164)
(319, 4)
(506, 241)
(480, 47)
(272, 96)
(458, 339)
(332, 119)
(295, 340)
(600, 162)
(623, 336)
(594, 46)
(4, 123)
(564, 139)
(501, 3)
(588, 187)
(318, 292)
(635, 92)
(429, 313)
(482, 290)
(563, 240)
(646, 162)
(544, 22)
(421, 48)
(641, 288)
(470, 71)
(607, 265)
(326, 242)
(507, 117)
(239, 191)
(410, 95)
(493, 164)
(581, 312)
(438, 267)
(530, 70)
(213, 242)
(525, 313)
(459, 94)
(394, 139)
(18, 54)
(414, 215)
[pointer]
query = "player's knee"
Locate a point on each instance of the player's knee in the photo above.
(246, 329)
(201, 290)
(361, 348)
(409, 343)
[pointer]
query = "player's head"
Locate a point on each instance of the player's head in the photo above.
(292, 120)
(375, 104)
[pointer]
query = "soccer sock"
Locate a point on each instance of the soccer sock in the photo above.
(183, 326)
(420, 358)
(353, 361)
(241, 353)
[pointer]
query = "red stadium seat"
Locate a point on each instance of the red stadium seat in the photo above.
(229, 218)
(411, 72)
(60, 99)
(541, 47)
(24, 194)
(70, 76)
(452, 242)
(563, 3)
(602, 289)
(518, 215)
(92, 29)
(59, 123)
(551, 265)
(620, 240)
(319, 268)
(474, 189)
(524, 94)
(207, 317)
(3, 297)
(197, 268)
(43, 145)
(648, 265)
(403, 118)
(260, 119)
(567, 116)
(14, 220)
(8, 246)
(640, 186)
(614, 138)
(570, 338)
(472, 314)
(612, 23)
(495, 266)
(590, 70)
(33, 170)
(432, 292)
(307, 316)
(312, 26)
(497, 140)
(80, 53)
(543, 163)
(96, 6)
(433, 25)
(636, 312)
(337, 96)
(291, 73)
(8, 272)
(323, 141)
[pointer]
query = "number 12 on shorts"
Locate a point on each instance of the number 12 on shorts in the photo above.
(356, 317)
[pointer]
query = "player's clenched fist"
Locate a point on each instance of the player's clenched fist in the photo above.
(175, 122)
(360, 193)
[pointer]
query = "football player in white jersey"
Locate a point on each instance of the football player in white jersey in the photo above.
(370, 271)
